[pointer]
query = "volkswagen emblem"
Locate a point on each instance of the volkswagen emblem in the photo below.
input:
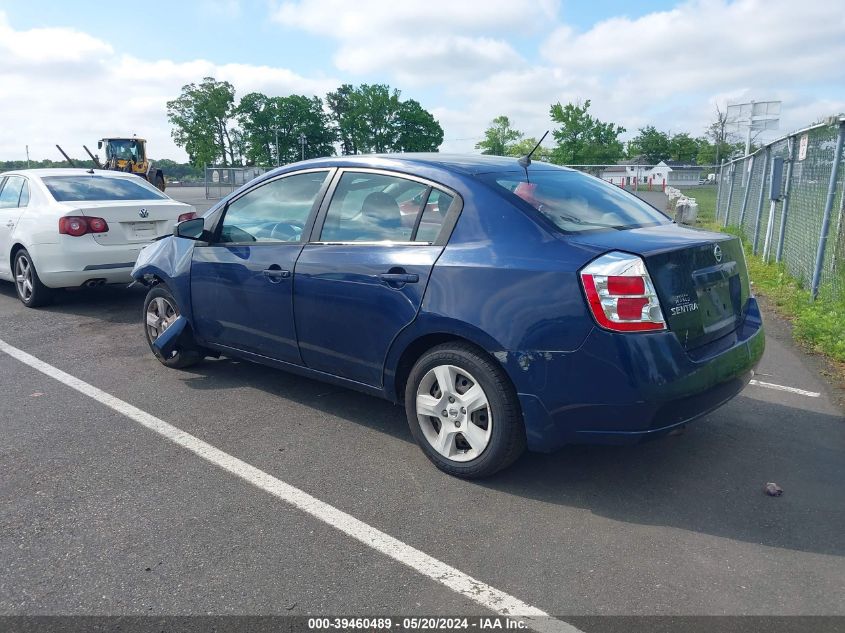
(717, 253)
(144, 213)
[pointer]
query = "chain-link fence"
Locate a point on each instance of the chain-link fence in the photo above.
(800, 222)
(221, 181)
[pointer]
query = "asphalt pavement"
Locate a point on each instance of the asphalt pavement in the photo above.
(100, 515)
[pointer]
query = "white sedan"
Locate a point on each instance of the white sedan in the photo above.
(64, 228)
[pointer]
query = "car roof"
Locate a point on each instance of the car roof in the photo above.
(68, 171)
(461, 163)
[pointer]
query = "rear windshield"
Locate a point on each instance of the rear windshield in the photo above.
(98, 188)
(576, 202)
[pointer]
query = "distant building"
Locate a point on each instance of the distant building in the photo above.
(681, 175)
(675, 174)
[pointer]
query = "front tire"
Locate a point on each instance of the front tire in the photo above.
(160, 310)
(31, 291)
(463, 411)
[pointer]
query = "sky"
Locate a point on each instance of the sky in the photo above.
(73, 72)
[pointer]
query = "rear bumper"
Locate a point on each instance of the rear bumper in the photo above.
(75, 260)
(621, 388)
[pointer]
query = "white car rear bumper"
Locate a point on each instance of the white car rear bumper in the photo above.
(76, 260)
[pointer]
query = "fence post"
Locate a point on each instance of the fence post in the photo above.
(721, 172)
(747, 171)
(759, 214)
(828, 208)
(785, 207)
(731, 171)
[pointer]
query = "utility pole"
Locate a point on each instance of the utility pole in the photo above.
(27, 156)
(277, 147)
(302, 141)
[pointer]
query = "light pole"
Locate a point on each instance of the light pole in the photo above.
(302, 141)
(277, 147)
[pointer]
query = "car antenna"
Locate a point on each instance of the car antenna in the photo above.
(526, 160)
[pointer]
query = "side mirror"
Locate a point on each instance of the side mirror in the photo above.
(191, 229)
(99, 145)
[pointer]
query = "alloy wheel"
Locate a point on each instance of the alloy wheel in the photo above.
(454, 413)
(23, 277)
(160, 315)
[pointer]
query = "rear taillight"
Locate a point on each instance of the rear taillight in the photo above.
(77, 225)
(620, 294)
(190, 215)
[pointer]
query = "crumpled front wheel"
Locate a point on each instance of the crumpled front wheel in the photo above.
(160, 311)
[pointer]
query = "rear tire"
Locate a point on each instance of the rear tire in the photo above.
(471, 425)
(159, 182)
(31, 291)
(160, 310)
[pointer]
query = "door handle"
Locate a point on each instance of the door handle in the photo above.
(399, 278)
(275, 274)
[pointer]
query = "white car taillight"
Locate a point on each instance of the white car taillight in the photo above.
(620, 294)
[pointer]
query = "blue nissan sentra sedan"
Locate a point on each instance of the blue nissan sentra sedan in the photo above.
(508, 305)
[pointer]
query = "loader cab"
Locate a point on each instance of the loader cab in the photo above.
(124, 150)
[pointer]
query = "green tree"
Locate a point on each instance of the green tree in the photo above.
(651, 144)
(179, 171)
(418, 130)
(722, 139)
(376, 111)
(683, 148)
(340, 106)
(499, 138)
(257, 117)
(582, 139)
(201, 117)
(711, 154)
(264, 120)
(521, 148)
(373, 118)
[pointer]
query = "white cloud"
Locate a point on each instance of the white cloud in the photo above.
(464, 61)
(670, 68)
(420, 41)
(70, 88)
(368, 20)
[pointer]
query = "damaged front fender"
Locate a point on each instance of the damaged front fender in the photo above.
(168, 261)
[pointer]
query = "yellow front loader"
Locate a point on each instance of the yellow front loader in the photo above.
(126, 154)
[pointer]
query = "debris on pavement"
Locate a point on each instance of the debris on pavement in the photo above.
(773, 490)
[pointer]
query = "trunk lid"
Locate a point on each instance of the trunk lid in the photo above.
(133, 221)
(700, 277)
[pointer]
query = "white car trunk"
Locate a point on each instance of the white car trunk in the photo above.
(133, 222)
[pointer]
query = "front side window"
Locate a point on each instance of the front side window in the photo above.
(375, 208)
(273, 212)
(576, 202)
(94, 188)
(10, 194)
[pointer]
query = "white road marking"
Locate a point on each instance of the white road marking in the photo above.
(488, 597)
(771, 385)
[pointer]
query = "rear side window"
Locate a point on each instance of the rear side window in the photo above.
(576, 202)
(433, 214)
(10, 194)
(369, 207)
(24, 199)
(84, 188)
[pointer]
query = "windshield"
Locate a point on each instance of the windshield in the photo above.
(124, 149)
(99, 188)
(576, 202)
